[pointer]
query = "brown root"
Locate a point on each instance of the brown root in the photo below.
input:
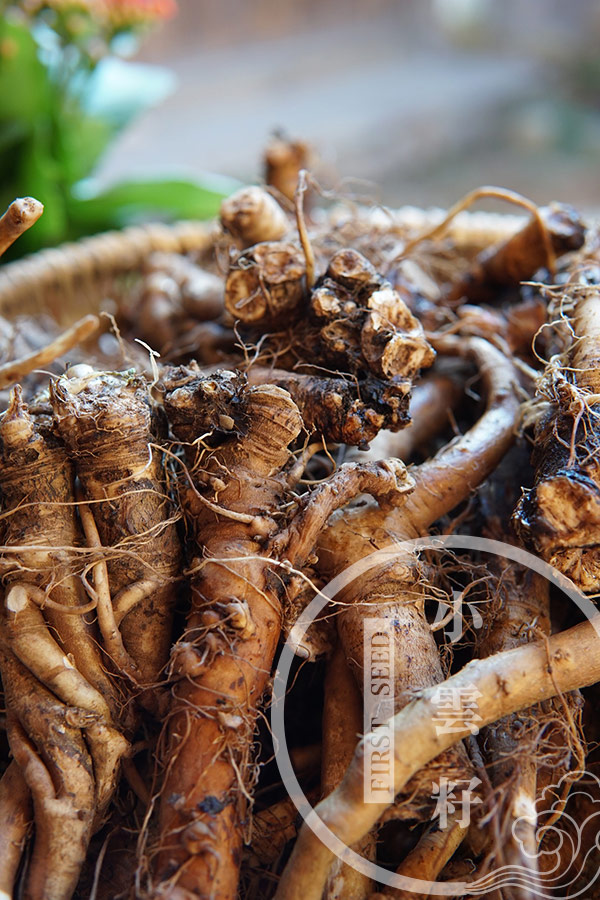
(16, 818)
(559, 517)
(214, 706)
(224, 660)
(265, 283)
(431, 404)
(342, 729)
(19, 368)
(445, 480)
(251, 216)
(343, 411)
(108, 422)
(47, 744)
(37, 489)
(175, 299)
(363, 324)
(519, 258)
(429, 857)
(48, 649)
(273, 827)
(283, 161)
(18, 218)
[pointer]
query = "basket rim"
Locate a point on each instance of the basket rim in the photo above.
(81, 265)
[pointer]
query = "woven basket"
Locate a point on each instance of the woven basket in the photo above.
(76, 278)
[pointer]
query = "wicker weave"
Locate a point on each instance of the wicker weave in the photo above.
(73, 279)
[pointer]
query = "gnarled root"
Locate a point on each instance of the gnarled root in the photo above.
(108, 423)
(342, 411)
(16, 818)
(432, 401)
(395, 592)
(223, 662)
(47, 744)
(240, 477)
(559, 517)
(46, 638)
(362, 324)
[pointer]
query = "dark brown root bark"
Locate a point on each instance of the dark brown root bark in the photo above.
(519, 258)
(559, 517)
(432, 402)
(342, 411)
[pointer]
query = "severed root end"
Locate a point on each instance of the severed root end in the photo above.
(343, 411)
(251, 215)
(560, 519)
(266, 284)
(18, 218)
(363, 323)
(284, 159)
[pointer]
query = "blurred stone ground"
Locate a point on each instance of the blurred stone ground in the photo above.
(420, 104)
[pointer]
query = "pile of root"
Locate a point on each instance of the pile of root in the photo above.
(355, 444)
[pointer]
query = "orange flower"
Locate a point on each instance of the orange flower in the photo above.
(119, 14)
(124, 13)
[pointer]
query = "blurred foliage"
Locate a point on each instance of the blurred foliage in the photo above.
(64, 96)
(582, 76)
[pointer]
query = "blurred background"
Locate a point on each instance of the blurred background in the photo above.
(422, 100)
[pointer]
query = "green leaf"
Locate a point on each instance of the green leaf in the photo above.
(38, 175)
(135, 201)
(25, 88)
(80, 142)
